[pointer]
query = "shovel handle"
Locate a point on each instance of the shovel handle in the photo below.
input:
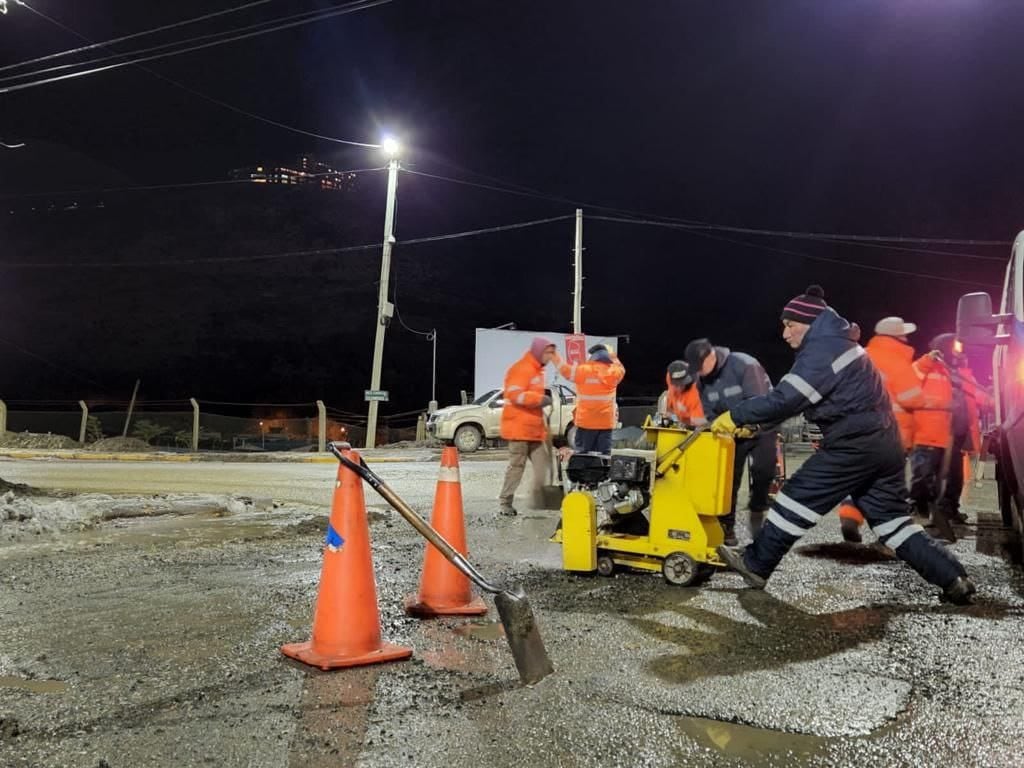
(450, 553)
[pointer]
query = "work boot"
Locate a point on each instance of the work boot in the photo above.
(729, 534)
(850, 529)
(733, 557)
(960, 592)
(507, 510)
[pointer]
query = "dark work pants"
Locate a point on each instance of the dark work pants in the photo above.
(925, 477)
(950, 500)
(761, 452)
(593, 441)
(867, 467)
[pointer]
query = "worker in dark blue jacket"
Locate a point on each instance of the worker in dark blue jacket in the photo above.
(726, 379)
(837, 387)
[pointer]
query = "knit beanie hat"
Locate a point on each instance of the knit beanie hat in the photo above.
(806, 307)
(538, 345)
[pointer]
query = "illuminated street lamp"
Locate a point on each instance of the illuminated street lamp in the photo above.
(385, 309)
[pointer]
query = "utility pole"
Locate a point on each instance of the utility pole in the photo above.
(433, 385)
(577, 292)
(384, 308)
(131, 407)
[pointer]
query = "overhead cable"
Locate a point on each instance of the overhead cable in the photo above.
(354, 7)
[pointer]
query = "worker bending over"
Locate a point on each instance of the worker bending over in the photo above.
(837, 387)
(726, 379)
(596, 381)
(680, 402)
(522, 421)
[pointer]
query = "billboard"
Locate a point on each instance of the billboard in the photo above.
(496, 350)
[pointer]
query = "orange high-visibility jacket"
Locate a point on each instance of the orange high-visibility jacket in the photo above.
(933, 423)
(522, 417)
(684, 404)
(595, 391)
(895, 362)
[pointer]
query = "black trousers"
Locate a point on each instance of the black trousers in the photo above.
(593, 441)
(761, 452)
(925, 477)
(868, 467)
(950, 499)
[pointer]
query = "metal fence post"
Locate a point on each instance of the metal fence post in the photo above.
(321, 409)
(195, 424)
(85, 421)
(3, 417)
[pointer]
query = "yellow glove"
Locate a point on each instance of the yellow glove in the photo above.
(724, 425)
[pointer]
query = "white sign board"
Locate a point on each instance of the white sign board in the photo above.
(497, 350)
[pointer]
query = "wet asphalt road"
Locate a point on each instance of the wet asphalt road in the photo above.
(153, 642)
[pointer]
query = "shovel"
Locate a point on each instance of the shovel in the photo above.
(517, 617)
(550, 494)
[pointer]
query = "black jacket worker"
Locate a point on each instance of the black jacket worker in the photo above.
(837, 387)
(726, 379)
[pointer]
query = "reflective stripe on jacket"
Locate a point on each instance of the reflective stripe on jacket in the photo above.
(522, 417)
(895, 363)
(737, 377)
(933, 424)
(831, 381)
(595, 391)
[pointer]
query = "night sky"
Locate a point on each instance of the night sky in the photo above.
(888, 117)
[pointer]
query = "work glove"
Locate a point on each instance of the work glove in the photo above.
(724, 425)
(545, 401)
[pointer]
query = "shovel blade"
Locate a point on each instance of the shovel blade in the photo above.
(548, 497)
(523, 635)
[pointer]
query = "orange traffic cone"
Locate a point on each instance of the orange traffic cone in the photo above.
(346, 622)
(444, 590)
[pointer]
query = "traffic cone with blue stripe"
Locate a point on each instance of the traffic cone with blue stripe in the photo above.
(346, 621)
(444, 590)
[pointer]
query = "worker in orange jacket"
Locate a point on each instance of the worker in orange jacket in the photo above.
(522, 421)
(893, 356)
(681, 400)
(596, 381)
(933, 435)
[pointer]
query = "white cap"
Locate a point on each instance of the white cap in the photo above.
(894, 326)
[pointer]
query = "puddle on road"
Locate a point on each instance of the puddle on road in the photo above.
(35, 686)
(847, 553)
(492, 630)
(756, 746)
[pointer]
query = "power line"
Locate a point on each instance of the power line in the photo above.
(104, 44)
(696, 224)
(207, 97)
(160, 47)
(853, 264)
(182, 185)
(359, 5)
(271, 256)
(55, 366)
(854, 243)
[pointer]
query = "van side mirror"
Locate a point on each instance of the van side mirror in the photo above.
(975, 323)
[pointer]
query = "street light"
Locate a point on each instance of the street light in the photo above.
(385, 309)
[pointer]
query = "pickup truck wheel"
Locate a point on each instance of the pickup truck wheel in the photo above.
(468, 438)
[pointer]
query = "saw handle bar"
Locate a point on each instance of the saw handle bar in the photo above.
(450, 553)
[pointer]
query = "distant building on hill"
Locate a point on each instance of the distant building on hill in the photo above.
(305, 171)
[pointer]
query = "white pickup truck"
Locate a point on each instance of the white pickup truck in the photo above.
(468, 426)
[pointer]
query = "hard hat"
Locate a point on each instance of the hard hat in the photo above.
(894, 326)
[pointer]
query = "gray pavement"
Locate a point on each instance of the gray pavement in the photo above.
(153, 642)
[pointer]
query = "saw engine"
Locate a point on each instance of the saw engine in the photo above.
(620, 485)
